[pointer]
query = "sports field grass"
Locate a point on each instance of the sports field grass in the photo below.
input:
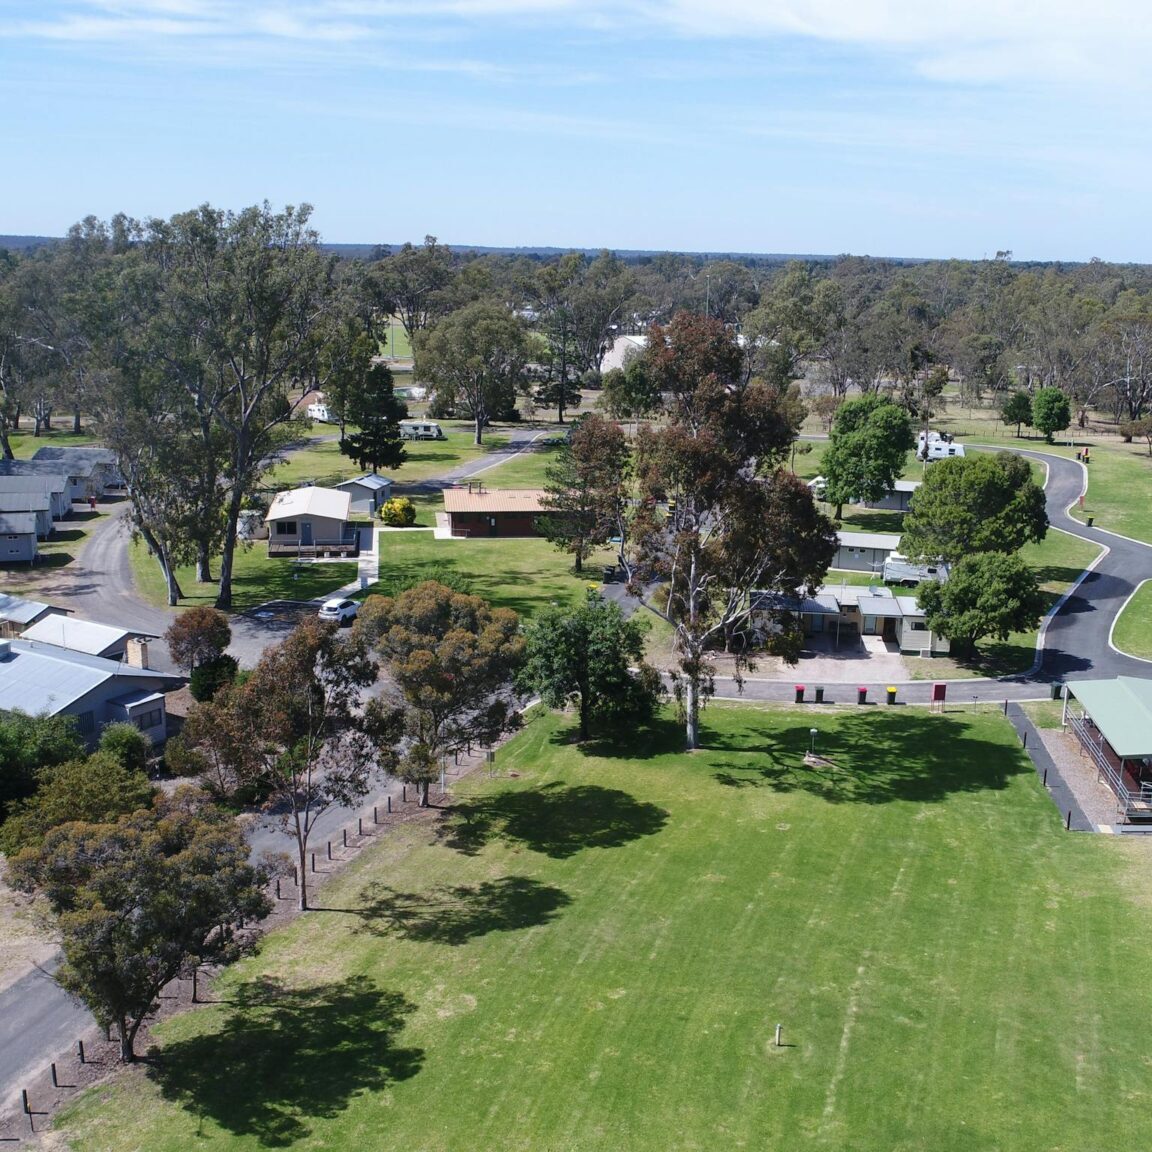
(593, 955)
(1133, 629)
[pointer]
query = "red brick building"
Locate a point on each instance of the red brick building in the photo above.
(475, 511)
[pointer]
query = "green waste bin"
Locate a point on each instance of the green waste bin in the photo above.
(1057, 690)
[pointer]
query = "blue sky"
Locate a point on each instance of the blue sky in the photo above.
(877, 127)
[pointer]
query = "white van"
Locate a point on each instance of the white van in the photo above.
(421, 430)
(320, 413)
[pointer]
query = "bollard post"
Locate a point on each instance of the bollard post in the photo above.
(296, 875)
(443, 784)
(329, 849)
(779, 1034)
(195, 985)
(1024, 740)
(359, 825)
(27, 1109)
(80, 1050)
(375, 818)
(1045, 780)
(1005, 707)
(404, 793)
(1068, 822)
(388, 809)
(55, 1081)
(278, 888)
(344, 833)
(313, 861)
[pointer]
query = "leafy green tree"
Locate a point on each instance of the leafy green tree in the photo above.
(869, 441)
(198, 635)
(986, 594)
(474, 357)
(980, 503)
(735, 522)
(584, 488)
(29, 744)
(1141, 428)
(127, 745)
(630, 393)
(374, 408)
(96, 790)
(140, 900)
(1016, 408)
(593, 656)
(1051, 412)
(413, 283)
(452, 658)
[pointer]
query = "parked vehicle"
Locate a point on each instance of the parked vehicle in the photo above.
(339, 611)
(421, 430)
(321, 414)
(900, 570)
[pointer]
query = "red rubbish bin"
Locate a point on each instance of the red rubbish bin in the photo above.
(862, 695)
(799, 693)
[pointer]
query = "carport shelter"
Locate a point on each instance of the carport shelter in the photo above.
(1114, 728)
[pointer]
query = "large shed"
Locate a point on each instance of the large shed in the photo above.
(473, 511)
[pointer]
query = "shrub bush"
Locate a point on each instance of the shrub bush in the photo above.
(207, 679)
(399, 512)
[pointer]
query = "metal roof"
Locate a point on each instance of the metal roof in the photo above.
(371, 480)
(43, 678)
(96, 456)
(880, 606)
(25, 500)
(882, 540)
(17, 610)
(1121, 709)
(78, 468)
(906, 485)
(501, 500)
(327, 503)
(18, 523)
(33, 482)
(77, 635)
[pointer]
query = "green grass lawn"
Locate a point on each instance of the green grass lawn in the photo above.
(323, 463)
(592, 956)
(524, 470)
(256, 578)
(1133, 630)
(1119, 495)
(25, 445)
(523, 574)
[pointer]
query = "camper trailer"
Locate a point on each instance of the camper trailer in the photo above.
(900, 570)
(421, 430)
(320, 413)
(943, 450)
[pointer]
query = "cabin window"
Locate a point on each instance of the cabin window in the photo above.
(153, 718)
(285, 527)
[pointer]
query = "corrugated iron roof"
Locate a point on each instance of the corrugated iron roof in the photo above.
(17, 610)
(77, 635)
(370, 480)
(18, 523)
(327, 503)
(881, 540)
(1121, 709)
(498, 500)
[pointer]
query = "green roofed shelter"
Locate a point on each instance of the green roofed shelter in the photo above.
(1114, 727)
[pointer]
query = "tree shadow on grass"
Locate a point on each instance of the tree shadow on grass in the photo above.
(285, 1057)
(459, 913)
(660, 737)
(869, 759)
(556, 819)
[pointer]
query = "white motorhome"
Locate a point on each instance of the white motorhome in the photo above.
(900, 570)
(421, 430)
(321, 414)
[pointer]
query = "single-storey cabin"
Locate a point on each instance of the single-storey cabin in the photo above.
(899, 499)
(311, 521)
(853, 611)
(18, 537)
(42, 678)
(473, 511)
(369, 493)
(864, 551)
(16, 614)
(90, 638)
(1112, 719)
(78, 476)
(39, 504)
(100, 465)
(53, 486)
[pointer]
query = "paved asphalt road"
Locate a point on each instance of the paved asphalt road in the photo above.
(37, 1020)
